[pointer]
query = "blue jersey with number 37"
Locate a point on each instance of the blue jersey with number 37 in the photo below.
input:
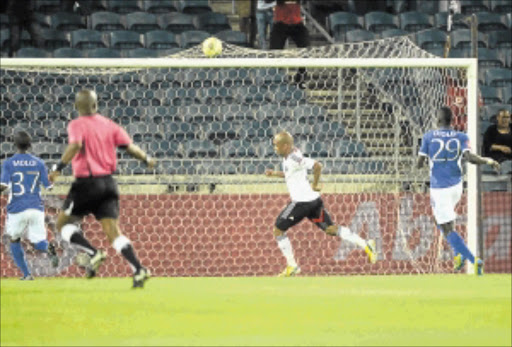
(24, 174)
(444, 148)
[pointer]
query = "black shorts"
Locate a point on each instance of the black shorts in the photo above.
(96, 195)
(297, 211)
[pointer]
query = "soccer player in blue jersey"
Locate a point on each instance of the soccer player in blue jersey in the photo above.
(445, 148)
(22, 175)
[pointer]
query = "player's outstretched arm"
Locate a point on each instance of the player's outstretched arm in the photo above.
(272, 173)
(478, 160)
(71, 150)
(317, 171)
(136, 152)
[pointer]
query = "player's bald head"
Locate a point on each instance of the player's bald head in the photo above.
(86, 102)
(284, 137)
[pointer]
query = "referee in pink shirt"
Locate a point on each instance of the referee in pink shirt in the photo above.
(92, 152)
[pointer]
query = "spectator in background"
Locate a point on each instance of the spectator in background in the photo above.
(288, 23)
(264, 19)
(457, 99)
(498, 138)
(21, 17)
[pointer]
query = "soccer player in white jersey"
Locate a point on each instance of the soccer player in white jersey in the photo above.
(305, 203)
(445, 148)
(22, 175)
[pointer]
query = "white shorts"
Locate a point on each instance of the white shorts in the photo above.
(444, 201)
(31, 220)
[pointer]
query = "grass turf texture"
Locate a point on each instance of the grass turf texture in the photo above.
(355, 310)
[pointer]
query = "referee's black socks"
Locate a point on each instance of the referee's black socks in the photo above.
(122, 245)
(72, 234)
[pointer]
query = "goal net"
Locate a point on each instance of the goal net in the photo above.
(208, 209)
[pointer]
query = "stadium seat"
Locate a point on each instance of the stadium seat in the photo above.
(160, 39)
(462, 38)
(211, 22)
(414, 21)
(501, 6)
(219, 131)
(348, 148)
(441, 21)
(158, 6)
(506, 94)
(191, 38)
(506, 167)
(490, 95)
(180, 131)
(314, 149)
(103, 52)
(238, 149)
(193, 6)
(4, 21)
(66, 21)
(506, 56)
(200, 148)
(393, 33)
(106, 21)
(377, 22)
(47, 6)
(86, 39)
(328, 130)
(233, 37)
(124, 6)
(124, 39)
(32, 52)
(140, 22)
(496, 77)
(500, 39)
(488, 57)
(473, 6)
(67, 52)
(341, 22)
(360, 35)
(490, 22)
(168, 52)
(53, 39)
(431, 38)
(176, 22)
(428, 7)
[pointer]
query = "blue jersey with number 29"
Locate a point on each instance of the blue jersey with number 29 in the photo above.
(24, 174)
(444, 148)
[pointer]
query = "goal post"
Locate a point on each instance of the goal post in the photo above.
(362, 117)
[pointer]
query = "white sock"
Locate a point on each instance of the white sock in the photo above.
(286, 248)
(346, 234)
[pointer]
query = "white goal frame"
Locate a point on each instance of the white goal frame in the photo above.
(470, 64)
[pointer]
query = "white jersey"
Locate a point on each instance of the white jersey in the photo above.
(295, 168)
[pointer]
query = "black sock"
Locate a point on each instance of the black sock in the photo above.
(129, 254)
(79, 239)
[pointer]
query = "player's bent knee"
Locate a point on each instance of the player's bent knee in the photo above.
(67, 231)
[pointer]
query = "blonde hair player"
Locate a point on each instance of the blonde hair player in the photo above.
(305, 203)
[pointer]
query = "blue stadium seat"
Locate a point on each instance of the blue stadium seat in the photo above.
(378, 22)
(233, 37)
(200, 148)
(86, 39)
(506, 167)
(414, 21)
(501, 6)
(314, 149)
(4, 21)
(490, 22)
(341, 22)
(103, 52)
(500, 39)
(238, 149)
(106, 21)
(219, 131)
(124, 39)
(47, 6)
(506, 94)
(211, 22)
(349, 148)
(393, 33)
(67, 52)
(428, 7)
(160, 39)
(431, 38)
(168, 52)
(180, 131)
(124, 6)
(473, 6)
(328, 130)
(32, 52)
(176, 22)
(488, 57)
(53, 38)
(360, 35)
(140, 22)
(496, 77)
(193, 6)
(5, 38)
(490, 95)
(191, 38)
(158, 6)
(441, 21)
(462, 38)
(66, 21)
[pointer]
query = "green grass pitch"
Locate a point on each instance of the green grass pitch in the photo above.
(353, 310)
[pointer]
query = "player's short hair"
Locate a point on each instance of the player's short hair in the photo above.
(22, 140)
(446, 114)
(502, 110)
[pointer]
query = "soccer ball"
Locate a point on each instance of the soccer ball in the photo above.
(212, 47)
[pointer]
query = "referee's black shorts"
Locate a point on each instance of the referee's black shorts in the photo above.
(294, 212)
(96, 195)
